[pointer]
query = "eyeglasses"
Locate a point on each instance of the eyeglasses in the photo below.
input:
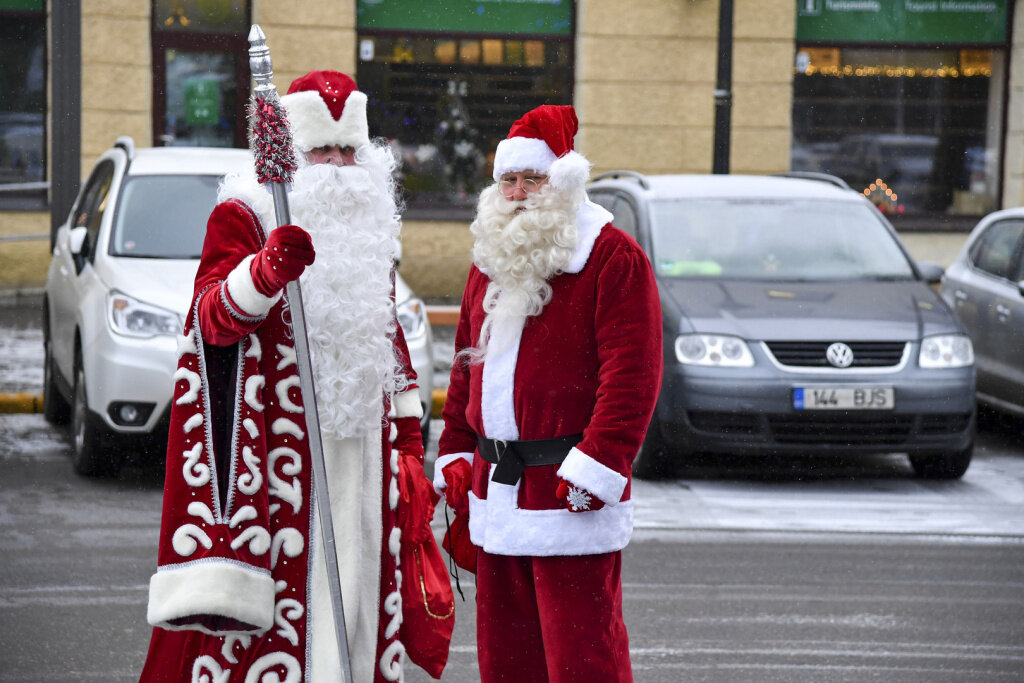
(529, 185)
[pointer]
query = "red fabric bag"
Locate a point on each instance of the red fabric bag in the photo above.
(428, 603)
(457, 543)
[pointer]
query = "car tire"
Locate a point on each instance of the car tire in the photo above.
(56, 410)
(87, 455)
(942, 465)
(653, 461)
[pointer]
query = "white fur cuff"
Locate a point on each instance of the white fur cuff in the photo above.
(442, 462)
(242, 291)
(211, 587)
(581, 470)
(407, 404)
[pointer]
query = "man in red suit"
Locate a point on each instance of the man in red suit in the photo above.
(558, 366)
(241, 593)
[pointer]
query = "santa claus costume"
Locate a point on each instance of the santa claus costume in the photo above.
(558, 366)
(241, 592)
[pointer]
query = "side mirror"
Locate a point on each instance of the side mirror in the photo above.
(76, 240)
(931, 272)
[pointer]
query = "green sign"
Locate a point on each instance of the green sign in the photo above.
(202, 102)
(23, 5)
(975, 22)
(530, 17)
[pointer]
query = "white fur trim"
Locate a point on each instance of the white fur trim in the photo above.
(522, 154)
(569, 171)
(407, 404)
(313, 126)
(582, 470)
(442, 462)
(243, 290)
(500, 527)
(225, 588)
(497, 382)
(590, 219)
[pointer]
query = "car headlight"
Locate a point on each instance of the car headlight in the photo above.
(713, 350)
(412, 316)
(132, 318)
(946, 351)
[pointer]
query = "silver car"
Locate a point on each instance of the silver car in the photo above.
(985, 286)
(795, 323)
(118, 288)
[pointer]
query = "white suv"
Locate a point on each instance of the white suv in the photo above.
(118, 288)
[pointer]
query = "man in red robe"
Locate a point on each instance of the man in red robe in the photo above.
(241, 592)
(558, 367)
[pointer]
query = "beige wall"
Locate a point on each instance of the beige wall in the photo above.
(1013, 163)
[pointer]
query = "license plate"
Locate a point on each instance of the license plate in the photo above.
(843, 398)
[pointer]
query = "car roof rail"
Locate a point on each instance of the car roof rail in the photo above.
(611, 175)
(126, 143)
(815, 175)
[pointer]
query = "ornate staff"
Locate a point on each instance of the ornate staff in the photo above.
(271, 144)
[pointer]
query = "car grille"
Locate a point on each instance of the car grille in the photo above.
(831, 429)
(812, 354)
(845, 429)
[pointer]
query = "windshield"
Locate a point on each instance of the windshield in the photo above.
(773, 240)
(163, 216)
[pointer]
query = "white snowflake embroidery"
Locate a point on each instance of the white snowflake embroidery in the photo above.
(578, 499)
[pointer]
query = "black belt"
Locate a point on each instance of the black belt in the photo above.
(512, 456)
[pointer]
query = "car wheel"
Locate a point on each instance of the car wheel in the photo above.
(87, 455)
(942, 465)
(55, 408)
(653, 461)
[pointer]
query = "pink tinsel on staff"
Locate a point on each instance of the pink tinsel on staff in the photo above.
(270, 141)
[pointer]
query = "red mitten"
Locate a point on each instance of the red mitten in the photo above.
(289, 249)
(416, 500)
(577, 499)
(458, 479)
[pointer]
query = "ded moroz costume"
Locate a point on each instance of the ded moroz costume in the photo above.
(558, 366)
(240, 592)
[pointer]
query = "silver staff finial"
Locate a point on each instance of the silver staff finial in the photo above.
(260, 65)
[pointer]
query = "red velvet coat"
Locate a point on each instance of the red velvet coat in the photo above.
(590, 363)
(233, 595)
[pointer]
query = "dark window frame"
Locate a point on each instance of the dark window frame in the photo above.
(236, 44)
(455, 212)
(36, 198)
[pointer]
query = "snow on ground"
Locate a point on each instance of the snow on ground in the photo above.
(21, 359)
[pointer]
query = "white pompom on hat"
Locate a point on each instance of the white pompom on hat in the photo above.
(325, 108)
(542, 141)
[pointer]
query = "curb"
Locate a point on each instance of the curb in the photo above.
(23, 402)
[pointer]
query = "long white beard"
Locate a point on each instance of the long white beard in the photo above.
(351, 214)
(520, 252)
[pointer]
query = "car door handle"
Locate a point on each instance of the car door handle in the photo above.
(960, 295)
(1002, 311)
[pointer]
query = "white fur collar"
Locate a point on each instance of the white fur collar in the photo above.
(590, 219)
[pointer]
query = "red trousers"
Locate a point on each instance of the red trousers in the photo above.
(551, 619)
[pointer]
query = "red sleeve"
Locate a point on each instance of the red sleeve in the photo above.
(629, 343)
(232, 234)
(458, 436)
(410, 437)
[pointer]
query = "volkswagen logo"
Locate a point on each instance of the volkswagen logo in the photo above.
(839, 355)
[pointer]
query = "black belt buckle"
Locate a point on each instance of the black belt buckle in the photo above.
(509, 467)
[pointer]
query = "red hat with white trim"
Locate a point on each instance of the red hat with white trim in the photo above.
(325, 108)
(542, 141)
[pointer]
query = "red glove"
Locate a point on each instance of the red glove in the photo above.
(416, 500)
(458, 479)
(577, 499)
(289, 249)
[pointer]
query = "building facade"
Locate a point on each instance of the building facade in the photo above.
(920, 103)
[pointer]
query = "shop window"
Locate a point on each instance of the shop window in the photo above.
(910, 118)
(446, 81)
(200, 72)
(22, 104)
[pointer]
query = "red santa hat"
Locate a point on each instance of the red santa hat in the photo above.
(325, 108)
(541, 141)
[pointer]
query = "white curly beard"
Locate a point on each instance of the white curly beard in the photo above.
(520, 245)
(351, 214)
